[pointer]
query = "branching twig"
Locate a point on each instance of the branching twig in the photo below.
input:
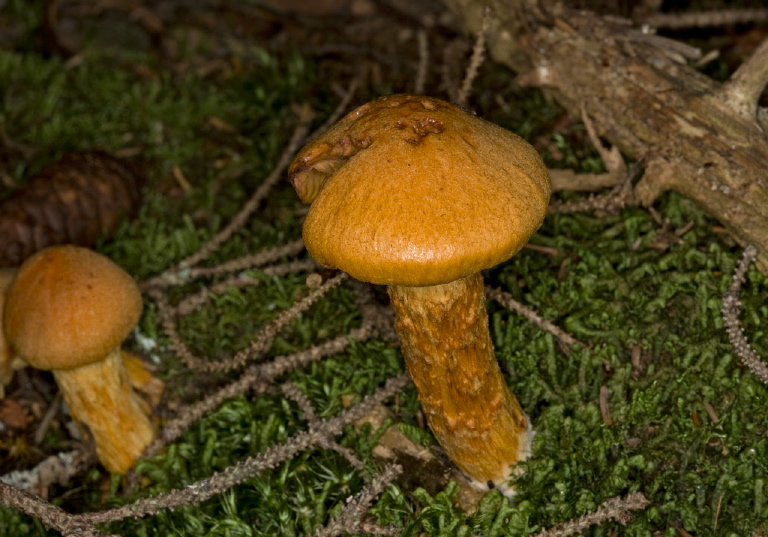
(235, 265)
(350, 520)
(617, 509)
(254, 378)
(262, 341)
(293, 393)
(176, 274)
(202, 490)
(731, 308)
(192, 302)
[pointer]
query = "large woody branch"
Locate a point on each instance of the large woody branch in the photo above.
(702, 138)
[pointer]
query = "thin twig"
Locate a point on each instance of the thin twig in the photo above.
(177, 274)
(350, 519)
(620, 196)
(617, 509)
(50, 515)
(195, 301)
(731, 309)
(255, 378)
(478, 56)
(506, 300)
(421, 74)
(241, 263)
(340, 109)
(257, 346)
(704, 19)
(221, 481)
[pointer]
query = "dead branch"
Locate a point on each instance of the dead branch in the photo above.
(696, 136)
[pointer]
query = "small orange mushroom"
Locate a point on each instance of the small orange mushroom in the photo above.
(414, 193)
(68, 310)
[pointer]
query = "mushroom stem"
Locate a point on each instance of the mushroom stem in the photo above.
(448, 351)
(102, 401)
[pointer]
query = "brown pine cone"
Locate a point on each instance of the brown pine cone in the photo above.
(77, 200)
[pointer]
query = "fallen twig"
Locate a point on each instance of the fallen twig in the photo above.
(350, 520)
(731, 309)
(616, 508)
(506, 300)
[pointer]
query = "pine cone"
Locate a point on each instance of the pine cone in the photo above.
(77, 200)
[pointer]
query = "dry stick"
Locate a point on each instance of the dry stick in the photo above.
(478, 55)
(50, 515)
(255, 378)
(745, 86)
(219, 482)
(260, 344)
(616, 508)
(506, 300)
(241, 263)
(238, 281)
(731, 310)
(421, 73)
(267, 334)
(176, 274)
(619, 197)
(350, 519)
(570, 180)
(704, 19)
(343, 104)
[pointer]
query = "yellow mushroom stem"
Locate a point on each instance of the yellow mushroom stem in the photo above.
(447, 347)
(101, 399)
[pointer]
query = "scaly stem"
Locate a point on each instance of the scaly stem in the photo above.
(101, 398)
(448, 351)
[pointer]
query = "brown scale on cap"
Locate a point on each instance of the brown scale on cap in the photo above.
(434, 196)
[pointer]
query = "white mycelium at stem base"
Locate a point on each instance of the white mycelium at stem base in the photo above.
(414, 193)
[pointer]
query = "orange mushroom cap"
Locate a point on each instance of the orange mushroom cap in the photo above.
(412, 190)
(69, 306)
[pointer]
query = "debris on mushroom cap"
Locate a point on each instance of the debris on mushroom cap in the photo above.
(411, 190)
(83, 304)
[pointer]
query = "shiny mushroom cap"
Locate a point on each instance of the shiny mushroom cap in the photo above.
(411, 190)
(69, 306)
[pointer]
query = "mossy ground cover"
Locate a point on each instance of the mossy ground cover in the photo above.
(682, 421)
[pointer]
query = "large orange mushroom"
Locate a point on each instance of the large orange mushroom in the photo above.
(68, 310)
(416, 194)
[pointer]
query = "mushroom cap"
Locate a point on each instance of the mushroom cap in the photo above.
(69, 306)
(411, 190)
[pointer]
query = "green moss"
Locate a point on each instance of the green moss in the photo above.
(617, 282)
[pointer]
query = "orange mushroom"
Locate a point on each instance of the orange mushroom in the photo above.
(68, 310)
(414, 193)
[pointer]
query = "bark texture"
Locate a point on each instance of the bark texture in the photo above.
(694, 135)
(448, 351)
